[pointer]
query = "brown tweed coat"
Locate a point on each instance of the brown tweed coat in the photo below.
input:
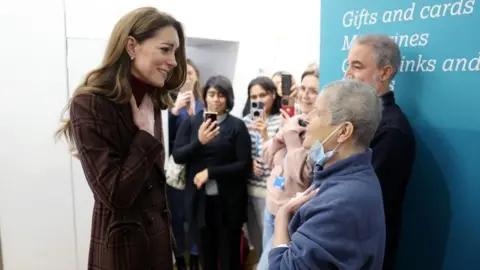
(124, 168)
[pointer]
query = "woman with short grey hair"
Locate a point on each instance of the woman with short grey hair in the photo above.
(339, 221)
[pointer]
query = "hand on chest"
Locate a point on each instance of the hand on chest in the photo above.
(126, 127)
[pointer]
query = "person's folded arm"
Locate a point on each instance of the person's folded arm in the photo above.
(270, 148)
(184, 149)
(300, 167)
(115, 176)
(325, 240)
(243, 152)
(292, 139)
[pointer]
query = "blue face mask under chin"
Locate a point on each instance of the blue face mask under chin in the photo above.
(317, 152)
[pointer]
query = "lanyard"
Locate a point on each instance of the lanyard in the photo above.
(257, 144)
(284, 162)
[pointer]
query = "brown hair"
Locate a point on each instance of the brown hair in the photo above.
(197, 88)
(312, 72)
(111, 79)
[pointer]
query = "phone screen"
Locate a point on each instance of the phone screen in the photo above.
(212, 116)
(286, 84)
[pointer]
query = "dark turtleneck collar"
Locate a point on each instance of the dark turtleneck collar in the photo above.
(388, 99)
(140, 88)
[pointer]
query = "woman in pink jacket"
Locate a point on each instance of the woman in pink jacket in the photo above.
(289, 161)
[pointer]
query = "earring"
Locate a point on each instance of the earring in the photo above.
(132, 57)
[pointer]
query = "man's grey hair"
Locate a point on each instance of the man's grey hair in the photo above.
(387, 52)
(353, 101)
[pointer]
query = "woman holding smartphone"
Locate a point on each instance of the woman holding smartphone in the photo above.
(217, 156)
(187, 103)
(262, 126)
(277, 79)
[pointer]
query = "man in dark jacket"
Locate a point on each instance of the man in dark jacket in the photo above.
(375, 59)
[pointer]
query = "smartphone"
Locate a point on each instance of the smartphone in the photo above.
(302, 123)
(288, 105)
(286, 84)
(256, 109)
(212, 116)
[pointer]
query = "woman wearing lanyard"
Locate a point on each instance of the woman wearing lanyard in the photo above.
(262, 125)
(291, 167)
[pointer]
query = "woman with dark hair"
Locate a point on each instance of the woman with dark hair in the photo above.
(115, 129)
(187, 103)
(217, 158)
(261, 89)
(274, 101)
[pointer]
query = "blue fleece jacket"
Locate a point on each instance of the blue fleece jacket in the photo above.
(343, 226)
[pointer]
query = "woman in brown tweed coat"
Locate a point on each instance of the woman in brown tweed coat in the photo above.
(115, 129)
